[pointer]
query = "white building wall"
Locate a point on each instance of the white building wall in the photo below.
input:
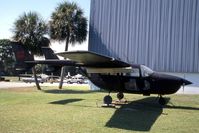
(162, 34)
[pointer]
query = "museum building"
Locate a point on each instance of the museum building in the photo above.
(162, 34)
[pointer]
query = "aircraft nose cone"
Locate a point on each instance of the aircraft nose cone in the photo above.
(186, 82)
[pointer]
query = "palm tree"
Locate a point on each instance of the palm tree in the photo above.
(29, 29)
(68, 24)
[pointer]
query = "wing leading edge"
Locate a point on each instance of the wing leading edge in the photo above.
(91, 59)
(53, 62)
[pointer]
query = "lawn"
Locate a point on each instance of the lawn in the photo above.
(76, 109)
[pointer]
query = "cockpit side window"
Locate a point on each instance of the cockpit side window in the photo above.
(145, 71)
(135, 72)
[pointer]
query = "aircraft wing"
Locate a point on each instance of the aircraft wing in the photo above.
(91, 59)
(54, 62)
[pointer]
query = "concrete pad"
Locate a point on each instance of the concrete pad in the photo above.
(189, 90)
(4, 85)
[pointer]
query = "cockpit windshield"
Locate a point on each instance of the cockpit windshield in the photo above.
(145, 71)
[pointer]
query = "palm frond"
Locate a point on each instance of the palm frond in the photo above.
(68, 21)
(29, 29)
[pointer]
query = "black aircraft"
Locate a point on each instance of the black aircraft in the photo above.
(115, 75)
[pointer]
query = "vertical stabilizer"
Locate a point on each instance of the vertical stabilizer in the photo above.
(20, 56)
(48, 53)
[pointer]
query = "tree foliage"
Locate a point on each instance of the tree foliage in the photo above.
(68, 24)
(6, 57)
(29, 29)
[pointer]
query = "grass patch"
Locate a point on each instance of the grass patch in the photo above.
(76, 109)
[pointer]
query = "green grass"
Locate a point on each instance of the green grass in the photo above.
(76, 109)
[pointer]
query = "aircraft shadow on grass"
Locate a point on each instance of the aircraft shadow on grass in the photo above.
(138, 115)
(66, 101)
(181, 107)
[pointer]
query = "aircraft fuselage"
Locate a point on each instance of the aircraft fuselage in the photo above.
(153, 83)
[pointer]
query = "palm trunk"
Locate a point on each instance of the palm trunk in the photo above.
(62, 77)
(64, 67)
(35, 77)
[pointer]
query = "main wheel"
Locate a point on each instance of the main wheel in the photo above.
(107, 99)
(120, 95)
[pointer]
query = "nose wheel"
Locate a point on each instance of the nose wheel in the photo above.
(161, 101)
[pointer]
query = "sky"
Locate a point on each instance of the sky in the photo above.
(10, 10)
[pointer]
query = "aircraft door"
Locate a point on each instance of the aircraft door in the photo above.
(131, 85)
(137, 81)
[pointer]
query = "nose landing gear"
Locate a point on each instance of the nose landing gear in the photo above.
(161, 100)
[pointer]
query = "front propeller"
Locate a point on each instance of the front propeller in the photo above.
(186, 82)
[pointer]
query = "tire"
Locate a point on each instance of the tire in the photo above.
(107, 100)
(120, 95)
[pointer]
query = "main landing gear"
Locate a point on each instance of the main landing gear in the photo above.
(108, 99)
(120, 96)
(161, 100)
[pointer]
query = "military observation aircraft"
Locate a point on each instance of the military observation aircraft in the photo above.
(115, 75)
